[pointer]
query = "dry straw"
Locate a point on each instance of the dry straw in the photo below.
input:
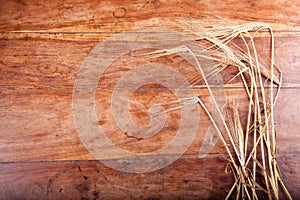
(251, 148)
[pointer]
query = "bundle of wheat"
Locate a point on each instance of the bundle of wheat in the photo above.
(251, 148)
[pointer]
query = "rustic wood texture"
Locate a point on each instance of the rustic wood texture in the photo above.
(42, 46)
(46, 72)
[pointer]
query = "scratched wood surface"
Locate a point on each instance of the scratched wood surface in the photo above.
(42, 46)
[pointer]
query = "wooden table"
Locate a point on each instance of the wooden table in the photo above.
(42, 46)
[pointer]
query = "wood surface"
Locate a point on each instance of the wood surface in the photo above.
(42, 46)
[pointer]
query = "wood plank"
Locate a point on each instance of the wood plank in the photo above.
(37, 125)
(113, 16)
(43, 63)
(184, 179)
(42, 120)
(182, 25)
(93, 180)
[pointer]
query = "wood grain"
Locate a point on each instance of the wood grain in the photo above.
(114, 16)
(38, 125)
(42, 47)
(44, 63)
(185, 179)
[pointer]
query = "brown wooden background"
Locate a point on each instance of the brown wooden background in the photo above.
(42, 45)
